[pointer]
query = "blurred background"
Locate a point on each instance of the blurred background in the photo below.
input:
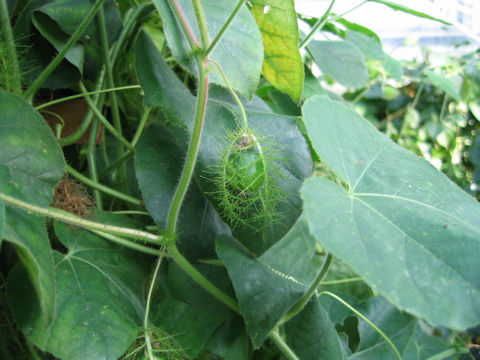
(404, 35)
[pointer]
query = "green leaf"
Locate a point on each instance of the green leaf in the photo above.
(230, 338)
(267, 287)
(69, 14)
(158, 169)
(239, 52)
(404, 227)
(311, 334)
(163, 88)
(99, 288)
(444, 84)
(28, 234)
(423, 346)
(190, 327)
(31, 164)
(2, 220)
(396, 325)
(283, 65)
(52, 32)
(399, 7)
(364, 38)
(341, 60)
(31, 161)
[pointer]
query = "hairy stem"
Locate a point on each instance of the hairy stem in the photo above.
(192, 152)
(103, 188)
(127, 243)
(54, 63)
(311, 290)
(317, 26)
(225, 27)
(64, 216)
(11, 69)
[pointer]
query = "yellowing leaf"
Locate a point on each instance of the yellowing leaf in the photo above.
(282, 65)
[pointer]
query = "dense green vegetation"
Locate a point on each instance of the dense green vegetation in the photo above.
(200, 179)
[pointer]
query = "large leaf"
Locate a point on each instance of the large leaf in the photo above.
(158, 169)
(29, 235)
(396, 325)
(311, 334)
(239, 52)
(283, 65)
(402, 329)
(404, 227)
(341, 60)
(267, 287)
(31, 161)
(230, 339)
(31, 164)
(163, 88)
(190, 327)
(99, 288)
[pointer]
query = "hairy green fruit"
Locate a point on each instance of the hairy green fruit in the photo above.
(245, 170)
(246, 181)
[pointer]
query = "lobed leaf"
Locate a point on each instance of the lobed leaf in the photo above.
(404, 227)
(99, 300)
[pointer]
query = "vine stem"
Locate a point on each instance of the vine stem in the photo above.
(114, 131)
(192, 152)
(225, 27)
(103, 188)
(72, 97)
(364, 318)
(147, 307)
(317, 26)
(64, 216)
(200, 15)
(113, 96)
(237, 99)
(10, 51)
(187, 29)
(200, 279)
(282, 345)
(54, 63)
(311, 290)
